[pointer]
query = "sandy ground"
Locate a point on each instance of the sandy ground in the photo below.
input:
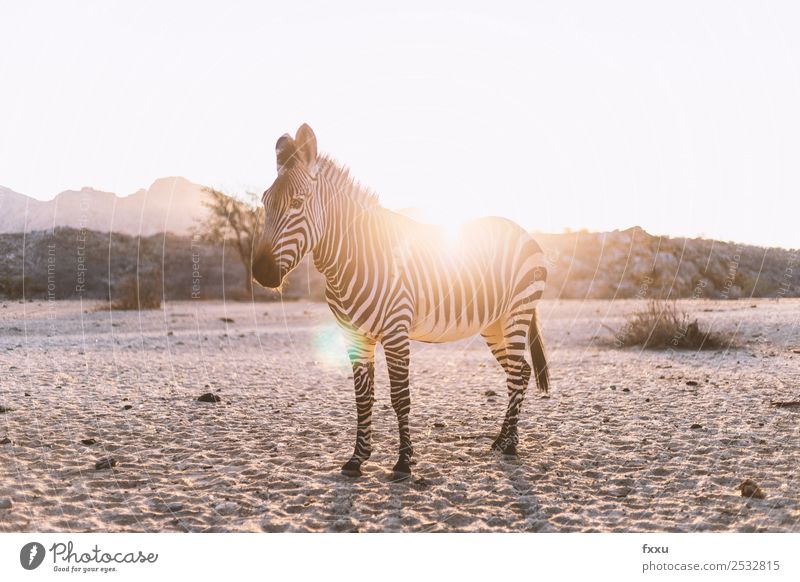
(629, 440)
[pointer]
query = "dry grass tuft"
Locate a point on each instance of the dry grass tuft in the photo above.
(138, 292)
(663, 325)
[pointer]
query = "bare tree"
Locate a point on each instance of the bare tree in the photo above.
(235, 222)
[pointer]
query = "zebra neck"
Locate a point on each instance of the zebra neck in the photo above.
(346, 225)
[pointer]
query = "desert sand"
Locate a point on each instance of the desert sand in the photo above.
(629, 440)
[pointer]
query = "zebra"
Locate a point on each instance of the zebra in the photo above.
(391, 280)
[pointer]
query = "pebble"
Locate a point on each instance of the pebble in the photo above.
(787, 404)
(127, 407)
(209, 397)
(105, 464)
(695, 426)
(5, 504)
(490, 393)
(691, 383)
(226, 319)
(225, 508)
(88, 442)
(750, 488)
(3, 409)
(5, 441)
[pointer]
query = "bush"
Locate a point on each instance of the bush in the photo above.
(138, 292)
(663, 325)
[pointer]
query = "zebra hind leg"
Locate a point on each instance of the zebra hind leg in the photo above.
(363, 362)
(508, 345)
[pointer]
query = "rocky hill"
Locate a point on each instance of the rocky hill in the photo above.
(68, 263)
(632, 263)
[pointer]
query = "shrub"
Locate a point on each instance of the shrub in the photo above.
(663, 325)
(138, 292)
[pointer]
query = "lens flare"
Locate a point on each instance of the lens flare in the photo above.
(330, 347)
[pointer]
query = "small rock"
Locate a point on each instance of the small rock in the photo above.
(626, 389)
(226, 319)
(490, 393)
(4, 409)
(786, 404)
(439, 424)
(691, 383)
(127, 407)
(170, 333)
(613, 386)
(105, 464)
(696, 426)
(5, 441)
(619, 491)
(225, 508)
(175, 506)
(88, 442)
(209, 397)
(27, 394)
(750, 489)
(6, 504)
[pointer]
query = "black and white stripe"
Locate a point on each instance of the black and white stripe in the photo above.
(392, 280)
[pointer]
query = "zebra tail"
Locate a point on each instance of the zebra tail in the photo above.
(538, 358)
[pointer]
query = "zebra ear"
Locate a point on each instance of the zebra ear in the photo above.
(306, 146)
(285, 151)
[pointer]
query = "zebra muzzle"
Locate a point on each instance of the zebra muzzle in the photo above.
(266, 272)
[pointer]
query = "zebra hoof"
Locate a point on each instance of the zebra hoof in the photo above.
(351, 469)
(398, 476)
(401, 472)
(506, 448)
(510, 450)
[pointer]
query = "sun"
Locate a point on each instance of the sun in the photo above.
(450, 223)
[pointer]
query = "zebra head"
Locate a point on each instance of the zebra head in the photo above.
(292, 210)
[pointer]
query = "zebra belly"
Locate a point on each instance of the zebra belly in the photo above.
(430, 333)
(432, 325)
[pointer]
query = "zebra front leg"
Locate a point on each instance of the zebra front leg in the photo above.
(397, 351)
(362, 358)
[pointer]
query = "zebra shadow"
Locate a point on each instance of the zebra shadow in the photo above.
(524, 502)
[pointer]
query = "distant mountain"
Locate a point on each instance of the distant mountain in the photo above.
(168, 205)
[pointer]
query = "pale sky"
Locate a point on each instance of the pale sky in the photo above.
(681, 117)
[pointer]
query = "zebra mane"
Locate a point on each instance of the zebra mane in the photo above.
(340, 175)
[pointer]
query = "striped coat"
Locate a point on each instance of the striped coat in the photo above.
(391, 280)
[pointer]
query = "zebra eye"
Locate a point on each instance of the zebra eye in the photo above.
(297, 203)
